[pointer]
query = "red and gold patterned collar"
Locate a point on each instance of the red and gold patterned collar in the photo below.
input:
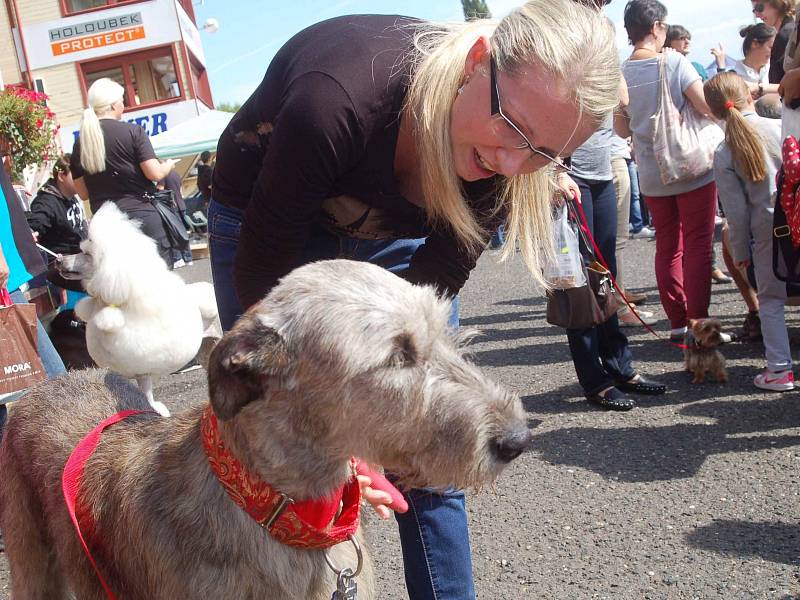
(308, 524)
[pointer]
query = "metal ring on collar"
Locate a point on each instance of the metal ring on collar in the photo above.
(358, 554)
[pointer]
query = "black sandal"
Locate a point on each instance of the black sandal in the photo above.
(640, 385)
(611, 399)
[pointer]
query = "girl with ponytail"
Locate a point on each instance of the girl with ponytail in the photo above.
(113, 161)
(745, 165)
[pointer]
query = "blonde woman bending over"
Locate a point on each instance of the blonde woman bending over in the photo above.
(113, 161)
(405, 143)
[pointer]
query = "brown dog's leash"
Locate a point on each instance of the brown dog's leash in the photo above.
(73, 472)
(583, 225)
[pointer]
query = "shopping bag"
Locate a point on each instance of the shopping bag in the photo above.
(20, 365)
(684, 141)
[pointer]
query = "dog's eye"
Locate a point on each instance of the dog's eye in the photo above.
(404, 354)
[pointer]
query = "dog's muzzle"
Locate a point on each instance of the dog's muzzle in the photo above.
(513, 443)
(75, 266)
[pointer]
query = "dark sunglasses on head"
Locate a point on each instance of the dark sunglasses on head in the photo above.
(757, 8)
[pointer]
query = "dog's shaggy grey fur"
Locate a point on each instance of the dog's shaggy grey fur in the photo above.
(342, 359)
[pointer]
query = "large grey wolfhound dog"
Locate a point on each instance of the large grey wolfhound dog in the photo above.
(342, 359)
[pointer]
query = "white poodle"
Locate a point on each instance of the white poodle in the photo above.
(141, 319)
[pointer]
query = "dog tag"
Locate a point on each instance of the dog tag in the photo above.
(346, 588)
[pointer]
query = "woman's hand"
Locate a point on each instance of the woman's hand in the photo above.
(567, 188)
(743, 265)
(719, 55)
(379, 500)
(379, 491)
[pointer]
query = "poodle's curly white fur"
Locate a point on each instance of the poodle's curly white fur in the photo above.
(141, 319)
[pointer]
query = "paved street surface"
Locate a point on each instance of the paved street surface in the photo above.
(691, 495)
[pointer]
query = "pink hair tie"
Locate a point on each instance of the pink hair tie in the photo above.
(729, 104)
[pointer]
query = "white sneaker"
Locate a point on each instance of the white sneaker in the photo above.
(678, 334)
(726, 338)
(644, 233)
(774, 382)
(178, 264)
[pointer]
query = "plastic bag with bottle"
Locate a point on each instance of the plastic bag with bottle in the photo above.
(566, 270)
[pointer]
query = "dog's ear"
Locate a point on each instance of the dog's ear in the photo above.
(241, 365)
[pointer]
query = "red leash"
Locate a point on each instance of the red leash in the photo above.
(584, 226)
(71, 479)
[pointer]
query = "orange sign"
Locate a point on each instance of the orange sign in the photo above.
(98, 41)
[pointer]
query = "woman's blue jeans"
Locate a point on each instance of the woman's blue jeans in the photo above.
(600, 354)
(51, 361)
(433, 533)
(636, 198)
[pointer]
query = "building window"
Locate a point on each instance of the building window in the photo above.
(79, 5)
(69, 7)
(148, 77)
(202, 88)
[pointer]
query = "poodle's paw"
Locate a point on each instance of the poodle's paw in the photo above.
(109, 319)
(160, 408)
(84, 309)
(203, 292)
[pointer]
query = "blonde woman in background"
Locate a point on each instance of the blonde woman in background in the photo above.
(406, 143)
(745, 166)
(113, 161)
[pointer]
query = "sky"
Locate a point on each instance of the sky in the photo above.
(251, 31)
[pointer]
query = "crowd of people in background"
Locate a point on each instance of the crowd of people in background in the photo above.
(683, 215)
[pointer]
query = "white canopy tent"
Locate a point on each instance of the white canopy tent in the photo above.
(193, 136)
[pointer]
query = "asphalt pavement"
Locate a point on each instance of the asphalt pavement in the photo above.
(694, 494)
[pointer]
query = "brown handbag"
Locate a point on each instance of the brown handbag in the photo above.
(20, 365)
(591, 304)
(585, 306)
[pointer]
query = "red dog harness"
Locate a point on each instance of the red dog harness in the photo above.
(73, 472)
(308, 524)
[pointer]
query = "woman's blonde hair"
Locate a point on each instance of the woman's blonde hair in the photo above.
(572, 44)
(103, 93)
(727, 96)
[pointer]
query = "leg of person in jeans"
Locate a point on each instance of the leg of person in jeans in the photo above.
(596, 348)
(669, 258)
(696, 210)
(622, 189)
(224, 226)
(615, 354)
(636, 209)
(434, 534)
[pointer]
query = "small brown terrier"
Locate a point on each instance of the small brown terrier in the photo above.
(702, 355)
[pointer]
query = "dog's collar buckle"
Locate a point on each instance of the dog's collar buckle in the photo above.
(284, 502)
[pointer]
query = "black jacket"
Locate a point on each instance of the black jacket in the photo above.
(58, 220)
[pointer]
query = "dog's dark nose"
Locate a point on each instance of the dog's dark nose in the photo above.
(513, 443)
